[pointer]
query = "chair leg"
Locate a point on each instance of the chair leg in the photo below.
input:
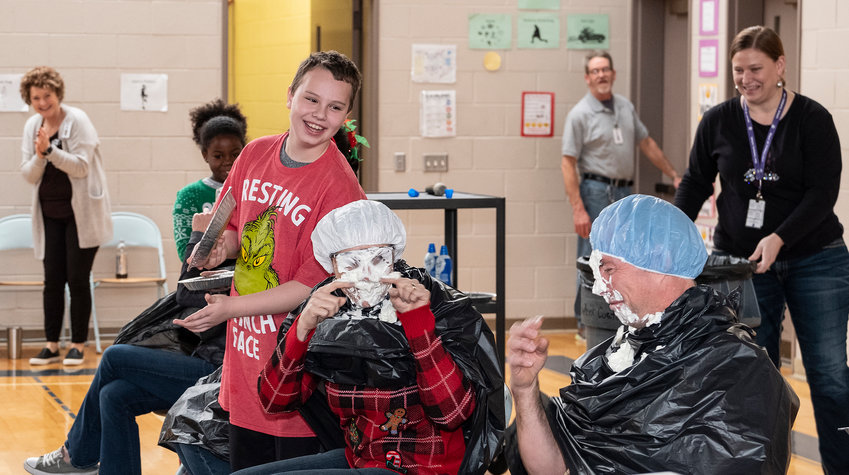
(65, 336)
(97, 345)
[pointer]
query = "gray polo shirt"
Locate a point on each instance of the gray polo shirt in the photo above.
(588, 135)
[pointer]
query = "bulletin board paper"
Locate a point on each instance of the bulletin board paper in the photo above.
(538, 31)
(709, 17)
(10, 93)
(537, 114)
(434, 63)
(490, 31)
(539, 4)
(438, 114)
(708, 58)
(144, 92)
(708, 97)
(588, 31)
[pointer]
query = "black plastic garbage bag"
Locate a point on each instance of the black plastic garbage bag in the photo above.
(375, 353)
(197, 419)
(700, 398)
(153, 327)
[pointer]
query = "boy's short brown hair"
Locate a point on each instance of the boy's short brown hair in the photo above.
(44, 77)
(339, 65)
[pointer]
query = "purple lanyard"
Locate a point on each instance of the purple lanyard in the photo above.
(759, 164)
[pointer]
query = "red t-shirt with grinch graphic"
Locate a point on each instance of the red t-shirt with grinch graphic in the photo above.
(277, 209)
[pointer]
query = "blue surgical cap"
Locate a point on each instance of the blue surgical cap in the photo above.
(650, 234)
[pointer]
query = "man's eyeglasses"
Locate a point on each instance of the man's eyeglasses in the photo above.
(598, 71)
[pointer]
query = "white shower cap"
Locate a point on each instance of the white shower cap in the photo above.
(650, 234)
(356, 224)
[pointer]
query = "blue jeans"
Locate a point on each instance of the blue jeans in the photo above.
(197, 460)
(596, 196)
(130, 381)
(816, 291)
(327, 463)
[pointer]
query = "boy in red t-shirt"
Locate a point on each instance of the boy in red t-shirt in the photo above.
(283, 185)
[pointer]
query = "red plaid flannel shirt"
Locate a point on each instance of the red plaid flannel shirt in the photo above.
(414, 430)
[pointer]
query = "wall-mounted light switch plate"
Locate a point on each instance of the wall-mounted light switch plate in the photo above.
(400, 161)
(435, 162)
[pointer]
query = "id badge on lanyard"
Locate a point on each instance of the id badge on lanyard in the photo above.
(755, 214)
(617, 135)
(757, 206)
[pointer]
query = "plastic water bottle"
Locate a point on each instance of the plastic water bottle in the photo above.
(121, 261)
(430, 260)
(444, 265)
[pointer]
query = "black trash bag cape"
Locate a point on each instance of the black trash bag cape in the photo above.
(375, 353)
(153, 328)
(197, 419)
(695, 401)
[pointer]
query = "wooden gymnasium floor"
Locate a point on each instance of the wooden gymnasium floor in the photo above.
(39, 404)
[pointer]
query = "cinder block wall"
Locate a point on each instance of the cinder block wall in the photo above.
(489, 155)
(825, 73)
(148, 155)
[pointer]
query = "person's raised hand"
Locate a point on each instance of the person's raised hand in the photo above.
(527, 352)
(321, 306)
(766, 250)
(216, 311)
(407, 294)
(42, 141)
(216, 256)
(200, 221)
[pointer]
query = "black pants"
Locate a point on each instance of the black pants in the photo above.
(66, 263)
(250, 448)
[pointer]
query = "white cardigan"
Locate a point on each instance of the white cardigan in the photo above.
(80, 159)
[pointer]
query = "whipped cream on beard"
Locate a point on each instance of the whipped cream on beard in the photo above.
(604, 288)
(366, 293)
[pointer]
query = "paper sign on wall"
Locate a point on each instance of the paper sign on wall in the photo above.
(434, 63)
(707, 97)
(537, 114)
(10, 93)
(708, 58)
(538, 30)
(490, 31)
(144, 92)
(588, 31)
(438, 114)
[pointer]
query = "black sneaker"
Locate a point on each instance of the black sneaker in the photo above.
(73, 358)
(45, 357)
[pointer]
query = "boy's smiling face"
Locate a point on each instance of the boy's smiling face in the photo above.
(317, 108)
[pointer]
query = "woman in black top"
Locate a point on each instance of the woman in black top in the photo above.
(778, 157)
(71, 215)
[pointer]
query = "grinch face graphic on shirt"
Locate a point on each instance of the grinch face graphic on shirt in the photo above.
(253, 271)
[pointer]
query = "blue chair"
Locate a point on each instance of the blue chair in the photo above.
(135, 230)
(16, 235)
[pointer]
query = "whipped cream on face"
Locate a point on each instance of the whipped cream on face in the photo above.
(366, 293)
(604, 288)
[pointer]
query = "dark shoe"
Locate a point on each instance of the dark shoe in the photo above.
(73, 358)
(45, 357)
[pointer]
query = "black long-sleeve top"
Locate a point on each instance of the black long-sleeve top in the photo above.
(805, 154)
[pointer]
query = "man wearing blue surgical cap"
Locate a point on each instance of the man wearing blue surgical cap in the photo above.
(672, 390)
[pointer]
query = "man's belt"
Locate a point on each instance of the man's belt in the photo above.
(620, 182)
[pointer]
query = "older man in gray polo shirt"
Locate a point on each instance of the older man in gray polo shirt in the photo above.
(599, 145)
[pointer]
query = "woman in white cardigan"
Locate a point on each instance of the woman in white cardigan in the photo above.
(70, 206)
